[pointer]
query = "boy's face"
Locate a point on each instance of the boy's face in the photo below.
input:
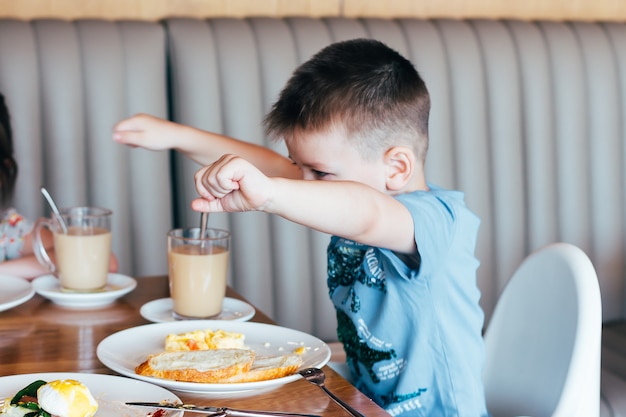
(330, 156)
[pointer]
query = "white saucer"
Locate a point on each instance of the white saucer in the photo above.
(162, 310)
(14, 291)
(117, 285)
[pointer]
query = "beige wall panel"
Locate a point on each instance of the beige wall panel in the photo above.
(522, 9)
(243, 8)
(610, 10)
(156, 9)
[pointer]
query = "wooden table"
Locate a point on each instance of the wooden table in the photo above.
(39, 336)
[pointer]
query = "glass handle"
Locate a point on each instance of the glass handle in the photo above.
(39, 248)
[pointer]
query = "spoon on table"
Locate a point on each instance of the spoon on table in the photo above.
(317, 377)
(54, 208)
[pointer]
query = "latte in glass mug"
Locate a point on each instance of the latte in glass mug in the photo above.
(198, 271)
(82, 257)
(82, 247)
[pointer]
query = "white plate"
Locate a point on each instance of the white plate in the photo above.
(121, 355)
(117, 285)
(162, 310)
(14, 291)
(111, 392)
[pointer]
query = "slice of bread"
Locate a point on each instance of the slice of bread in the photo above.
(212, 366)
(270, 367)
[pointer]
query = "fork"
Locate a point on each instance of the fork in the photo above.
(317, 377)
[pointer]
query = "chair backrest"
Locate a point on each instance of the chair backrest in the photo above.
(543, 342)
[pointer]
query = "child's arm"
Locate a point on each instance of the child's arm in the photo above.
(26, 267)
(204, 147)
(29, 267)
(343, 208)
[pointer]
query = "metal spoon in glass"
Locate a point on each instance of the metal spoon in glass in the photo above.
(204, 220)
(54, 208)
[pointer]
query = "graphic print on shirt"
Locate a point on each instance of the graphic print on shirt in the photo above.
(358, 350)
(345, 267)
(350, 263)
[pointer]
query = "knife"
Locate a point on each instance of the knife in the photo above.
(219, 411)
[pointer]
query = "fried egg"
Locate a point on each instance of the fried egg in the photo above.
(67, 398)
(204, 340)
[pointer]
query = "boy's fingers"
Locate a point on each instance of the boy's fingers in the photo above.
(128, 137)
(202, 205)
(199, 204)
(199, 173)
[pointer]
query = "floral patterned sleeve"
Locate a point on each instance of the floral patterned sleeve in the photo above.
(13, 227)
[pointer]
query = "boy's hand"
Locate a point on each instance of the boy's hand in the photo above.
(231, 184)
(145, 131)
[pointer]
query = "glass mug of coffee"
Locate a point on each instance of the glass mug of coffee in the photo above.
(82, 252)
(198, 271)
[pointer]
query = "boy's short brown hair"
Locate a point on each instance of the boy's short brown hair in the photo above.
(362, 86)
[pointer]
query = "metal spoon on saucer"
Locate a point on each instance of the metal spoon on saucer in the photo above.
(54, 208)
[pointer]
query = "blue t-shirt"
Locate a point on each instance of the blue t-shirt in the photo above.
(411, 325)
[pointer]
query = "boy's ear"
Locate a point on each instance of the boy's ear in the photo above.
(400, 162)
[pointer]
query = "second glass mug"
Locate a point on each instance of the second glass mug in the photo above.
(198, 269)
(82, 255)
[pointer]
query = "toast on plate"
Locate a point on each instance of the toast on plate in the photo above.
(212, 366)
(269, 367)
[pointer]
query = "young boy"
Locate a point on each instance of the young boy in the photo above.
(401, 264)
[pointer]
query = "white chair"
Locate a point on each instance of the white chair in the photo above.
(544, 339)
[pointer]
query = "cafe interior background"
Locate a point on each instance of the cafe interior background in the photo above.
(316, 310)
(293, 292)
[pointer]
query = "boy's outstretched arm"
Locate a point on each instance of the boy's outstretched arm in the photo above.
(149, 132)
(344, 208)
